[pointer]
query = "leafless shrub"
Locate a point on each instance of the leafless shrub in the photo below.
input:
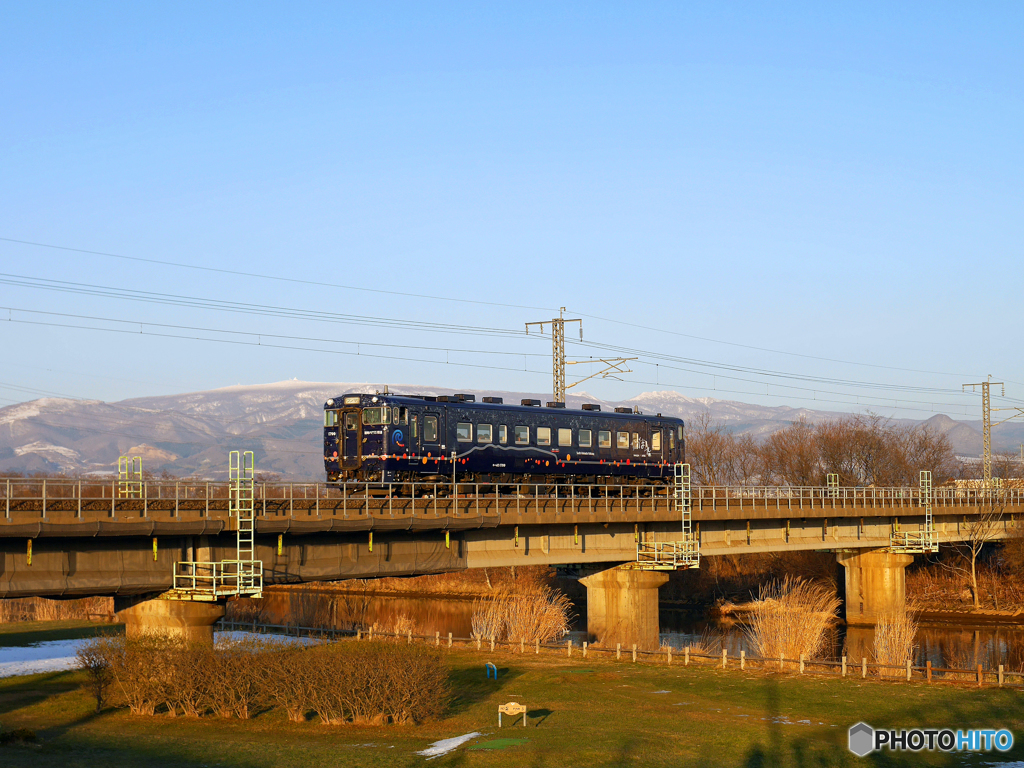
(237, 683)
(136, 667)
(288, 673)
(894, 640)
(342, 682)
(95, 656)
(791, 617)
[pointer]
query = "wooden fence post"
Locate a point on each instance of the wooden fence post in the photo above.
(908, 670)
(781, 664)
(863, 667)
(980, 676)
(537, 649)
(584, 649)
(724, 652)
(686, 656)
(634, 653)
(449, 639)
(928, 670)
(844, 666)
(669, 655)
(801, 663)
(618, 650)
(492, 643)
(437, 639)
(568, 648)
(743, 659)
(408, 636)
(1000, 674)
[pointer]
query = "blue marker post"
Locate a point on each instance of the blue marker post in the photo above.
(489, 668)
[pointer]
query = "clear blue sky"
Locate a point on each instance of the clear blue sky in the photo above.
(840, 183)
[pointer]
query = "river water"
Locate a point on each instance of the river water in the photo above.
(944, 645)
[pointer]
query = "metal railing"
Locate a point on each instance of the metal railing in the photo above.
(78, 495)
(223, 578)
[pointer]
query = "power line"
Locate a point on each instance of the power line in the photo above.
(319, 316)
(142, 330)
(320, 284)
(299, 281)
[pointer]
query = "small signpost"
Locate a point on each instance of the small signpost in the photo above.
(512, 708)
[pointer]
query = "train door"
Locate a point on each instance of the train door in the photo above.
(352, 439)
(433, 432)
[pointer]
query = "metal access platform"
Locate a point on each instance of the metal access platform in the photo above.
(673, 555)
(923, 540)
(242, 576)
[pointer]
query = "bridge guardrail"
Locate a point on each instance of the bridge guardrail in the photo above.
(75, 494)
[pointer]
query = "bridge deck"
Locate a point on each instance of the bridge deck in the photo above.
(65, 508)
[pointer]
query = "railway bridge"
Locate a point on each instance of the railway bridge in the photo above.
(171, 551)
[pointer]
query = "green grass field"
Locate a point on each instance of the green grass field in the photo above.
(582, 713)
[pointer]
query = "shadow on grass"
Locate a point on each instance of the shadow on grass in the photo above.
(470, 686)
(538, 716)
(791, 748)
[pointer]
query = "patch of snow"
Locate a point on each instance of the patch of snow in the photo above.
(444, 746)
(41, 447)
(59, 655)
(663, 691)
(50, 656)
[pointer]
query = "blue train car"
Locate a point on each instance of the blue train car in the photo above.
(400, 438)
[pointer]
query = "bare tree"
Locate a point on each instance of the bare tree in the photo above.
(710, 450)
(974, 533)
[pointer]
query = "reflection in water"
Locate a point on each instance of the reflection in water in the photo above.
(943, 645)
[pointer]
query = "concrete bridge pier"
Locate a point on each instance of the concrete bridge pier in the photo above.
(875, 583)
(188, 620)
(622, 607)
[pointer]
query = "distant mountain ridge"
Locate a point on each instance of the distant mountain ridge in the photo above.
(190, 434)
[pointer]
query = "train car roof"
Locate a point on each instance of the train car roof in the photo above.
(391, 398)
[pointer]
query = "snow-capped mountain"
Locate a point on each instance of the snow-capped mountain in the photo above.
(190, 434)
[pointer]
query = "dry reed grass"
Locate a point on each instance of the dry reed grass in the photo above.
(791, 617)
(42, 609)
(894, 641)
(523, 611)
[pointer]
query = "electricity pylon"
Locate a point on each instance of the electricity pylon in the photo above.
(613, 365)
(558, 350)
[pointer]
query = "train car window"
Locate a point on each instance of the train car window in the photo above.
(464, 432)
(564, 436)
(330, 418)
(522, 435)
(414, 427)
(373, 416)
(671, 439)
(656, 441)
(401, 415)
(543, 435)
(483, 433)
(351, 420)
(584, 438)
(604, 439)
(502, 434)
(636, 441)
(622, 439)
(680, 433)
(430, 429)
